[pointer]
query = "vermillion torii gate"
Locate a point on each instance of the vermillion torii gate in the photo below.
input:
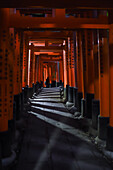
(51, 69)
(83, 52)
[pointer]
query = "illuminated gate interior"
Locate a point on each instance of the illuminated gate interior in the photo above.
(47, 46)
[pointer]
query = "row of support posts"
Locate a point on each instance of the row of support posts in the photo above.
(18, 80)
(93, 79)
(86, 68)
(53, 70)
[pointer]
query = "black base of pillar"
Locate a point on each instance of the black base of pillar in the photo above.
(5, 143)
(0, 164)
(70, 94)
(58, 84)
(0, 156)
(88, 107)
(36, 87)
(22, 101)
(50, 85)
(17, 100)
(95, 113)
(102, 127)
(83, 102)
(75, 96)
(109, 139)
(33, 88)
(12, 128)
(25, 94)
(67, 92)
(53, 84)
(79, 97)
(30, 89)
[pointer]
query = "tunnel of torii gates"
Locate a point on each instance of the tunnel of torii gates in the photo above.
(77, 51)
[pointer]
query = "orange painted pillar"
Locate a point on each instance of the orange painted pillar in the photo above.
(5, 67)
(39, 73)
(109, 138)
(103, 83)
(96, 101)
(79, 60)
(96, 64)
(79, 63)
(17, 64)
(61, 71)
(67, 61)
(50, 77)
(31, 76)
(47, 70)
(75, 56)
(17, 75)
(89, 73)
(72, 64)
(43, 72)
(21, 61)
(57, 71)
(36, 69)
(53, 72)
(11, 74)
(44, 76)
(4, 73)
(65, 68)
(25, 61)
(84, 56)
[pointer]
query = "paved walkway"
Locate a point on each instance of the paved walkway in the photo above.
(53, 138)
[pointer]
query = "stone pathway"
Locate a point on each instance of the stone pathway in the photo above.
(53, 138)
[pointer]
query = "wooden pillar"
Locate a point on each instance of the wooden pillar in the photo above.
(104, 74)
(44, 76)
(96, 101)
(67, 63)
(57, 71)
(39, 67)
(96, 64)
(109, 142)
(61, 70)
(25, 61)
(103, 83)
(89, 73)
(5, 81)
(69, 60)
(17, 75)
(65, 68)
(31, 77)
(4, 71)
(90, 62)
(79, 65)
(75, 55)
(21, 59)
(11, 74)
(84, 55)
(72, 64)
(17, 64)
(36, 69)
(41, 71)
(50, 77)
(53, 72)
